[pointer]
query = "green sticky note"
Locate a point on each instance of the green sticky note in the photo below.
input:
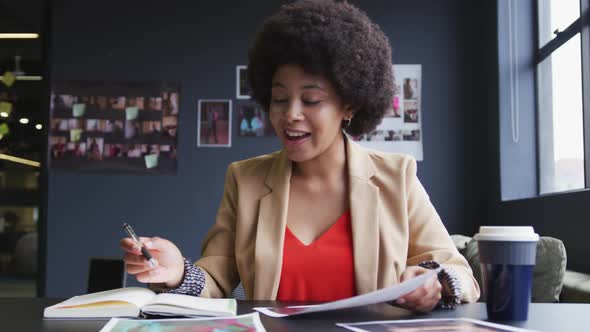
(5, 107)
(4, 130)
(151, 160)
(8, 78)
(75, 135)
(78, 110)
(131, 113)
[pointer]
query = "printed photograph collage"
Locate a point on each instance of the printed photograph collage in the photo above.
(114, 126)
(132, 126)
(401, 128)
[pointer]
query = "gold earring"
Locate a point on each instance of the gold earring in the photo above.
(347, 123)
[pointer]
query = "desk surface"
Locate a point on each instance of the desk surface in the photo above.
(18, 314)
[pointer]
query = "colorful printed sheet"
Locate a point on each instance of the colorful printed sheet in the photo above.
(244, 323)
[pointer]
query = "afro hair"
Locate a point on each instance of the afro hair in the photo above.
(336, 40)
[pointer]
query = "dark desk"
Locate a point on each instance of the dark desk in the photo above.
(26, 315)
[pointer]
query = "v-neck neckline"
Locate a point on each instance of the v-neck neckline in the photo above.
(323, 235)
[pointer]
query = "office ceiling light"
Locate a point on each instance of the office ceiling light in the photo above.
(20, 160)
(39, 126)
(23, 120)
(19, 35)
(3, 114)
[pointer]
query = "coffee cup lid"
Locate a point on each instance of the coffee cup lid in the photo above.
(507, 233)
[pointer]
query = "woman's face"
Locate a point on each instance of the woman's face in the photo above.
(305, 112)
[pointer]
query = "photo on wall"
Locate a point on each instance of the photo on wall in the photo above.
(214, 123)
(243, 90)
(401, 128)
(395, 110)
(114, 126)
(253, 121)
(411, 111)
(411, 88)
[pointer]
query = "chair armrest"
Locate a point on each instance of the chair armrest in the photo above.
(576, 287)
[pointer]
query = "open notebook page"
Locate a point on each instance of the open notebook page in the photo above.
(134, 295)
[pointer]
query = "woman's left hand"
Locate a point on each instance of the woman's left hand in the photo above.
(423, 299)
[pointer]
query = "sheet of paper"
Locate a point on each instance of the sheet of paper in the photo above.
(75, 135)
(432, 324)
(249, 322)
(151, 160)
(78, 110)
(379, 296)
(131, 113)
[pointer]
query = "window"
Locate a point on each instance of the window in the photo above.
(562, 58)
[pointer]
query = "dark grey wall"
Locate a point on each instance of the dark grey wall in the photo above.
(198, 44)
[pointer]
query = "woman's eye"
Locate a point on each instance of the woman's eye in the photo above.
(279, 101)
(311, 102)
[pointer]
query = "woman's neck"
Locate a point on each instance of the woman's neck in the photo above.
(330, 164)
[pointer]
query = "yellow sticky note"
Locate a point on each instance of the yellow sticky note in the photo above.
(8, 78)
(131, 113)
(151, 160)
(78, 110)
(5, 107)
(4, 130)
(75, 135)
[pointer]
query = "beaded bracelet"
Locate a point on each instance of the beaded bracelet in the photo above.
(193, 281)
(451, 294)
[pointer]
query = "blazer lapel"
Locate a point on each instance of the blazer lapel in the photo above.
(272, 220)
(364, 210)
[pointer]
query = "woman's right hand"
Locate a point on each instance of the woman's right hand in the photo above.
(169, 268)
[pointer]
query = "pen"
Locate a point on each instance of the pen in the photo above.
(127, 228)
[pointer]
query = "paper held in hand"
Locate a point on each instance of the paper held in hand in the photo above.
(136, 301)
(383, 295)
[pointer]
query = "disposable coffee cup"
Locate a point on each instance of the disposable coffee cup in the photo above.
(507, 258)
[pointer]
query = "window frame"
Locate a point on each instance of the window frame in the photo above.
(585, 38)
(580, 25)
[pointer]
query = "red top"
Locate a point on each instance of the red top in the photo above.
(322, 271)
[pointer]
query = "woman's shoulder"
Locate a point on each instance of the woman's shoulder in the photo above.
(391, 161)
(257, 166)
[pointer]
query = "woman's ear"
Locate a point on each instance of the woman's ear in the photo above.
(348, 112)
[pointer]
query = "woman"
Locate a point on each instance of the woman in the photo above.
(322, 219)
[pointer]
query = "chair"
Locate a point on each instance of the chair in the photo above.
(25, 255)
(105, 274)
(576, 287)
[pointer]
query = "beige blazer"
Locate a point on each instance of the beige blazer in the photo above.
(394, 225)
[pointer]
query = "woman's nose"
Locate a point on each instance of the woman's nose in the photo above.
(294, 112)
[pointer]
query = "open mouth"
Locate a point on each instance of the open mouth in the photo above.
(296, 135)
